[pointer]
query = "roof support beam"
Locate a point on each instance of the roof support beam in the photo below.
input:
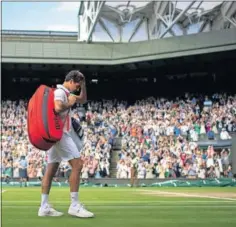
(79, 14)
(105, 28)
(203, 25)
(94, 17)
(80, 7)
(231, 21)
(147, 28)
(176, 19)
(165, 23)
(160, 9)
(136, 28)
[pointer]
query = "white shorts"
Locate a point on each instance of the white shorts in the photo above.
(66, 149)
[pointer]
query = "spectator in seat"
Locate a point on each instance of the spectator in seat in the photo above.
(229, 172)
(134, 169)
(211, 135)
(202, 172)
(149, 172)
(217, 170)
(67, 171)
(202, 128)
(40, 171)
(192, 171)
(225, 160)
(97, 174)
(23, 170)
(141, 171)
(161, 171)
(8, 170)
(123, 173)
(197, 128)
(224, 135)
(214, 128)
(211, 172)
(85, 172)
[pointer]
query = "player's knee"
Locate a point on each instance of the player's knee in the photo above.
(77, 164)
(79, 167)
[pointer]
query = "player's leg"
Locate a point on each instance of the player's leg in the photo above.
(76, 208)
(47, 181)
(70, 151)
(53, 164)
(74, 179)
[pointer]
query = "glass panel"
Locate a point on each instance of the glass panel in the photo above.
(205, 5)
(128, 29)
(99, 35)
(210, 5)
(182, 5)
(132, 3)
(112, 29)
(194, 28)
(177, 30)
(162, 29)
(141, 34)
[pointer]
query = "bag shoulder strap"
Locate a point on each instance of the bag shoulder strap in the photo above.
(67, 94)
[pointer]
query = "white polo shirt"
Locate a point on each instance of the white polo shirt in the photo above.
(61, 93)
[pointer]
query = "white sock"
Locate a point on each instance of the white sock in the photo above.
(44, 200)
(74, 198)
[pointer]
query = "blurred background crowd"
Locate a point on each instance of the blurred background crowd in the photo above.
(162, 132)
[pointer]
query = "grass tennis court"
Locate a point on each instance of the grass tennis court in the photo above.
(125, 207)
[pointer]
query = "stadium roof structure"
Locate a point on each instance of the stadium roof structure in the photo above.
(131, 21)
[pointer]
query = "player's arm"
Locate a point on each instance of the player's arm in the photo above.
(82, 97)
(61, 106)
(59, 103)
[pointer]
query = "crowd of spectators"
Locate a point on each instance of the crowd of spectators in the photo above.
(173, 158)
(162, 132)
(18, 153)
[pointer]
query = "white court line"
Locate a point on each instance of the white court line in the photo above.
(132, 206)
(121, 202)
(187, 195)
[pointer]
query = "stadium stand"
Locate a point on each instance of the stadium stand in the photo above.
(16, 146)
(163, 133)
(165, 137)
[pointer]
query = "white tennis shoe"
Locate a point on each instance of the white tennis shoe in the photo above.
(79, 210)
(48, 211)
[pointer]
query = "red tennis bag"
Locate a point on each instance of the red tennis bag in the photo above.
(45, 127)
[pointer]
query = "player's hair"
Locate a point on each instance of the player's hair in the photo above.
(74, 75)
